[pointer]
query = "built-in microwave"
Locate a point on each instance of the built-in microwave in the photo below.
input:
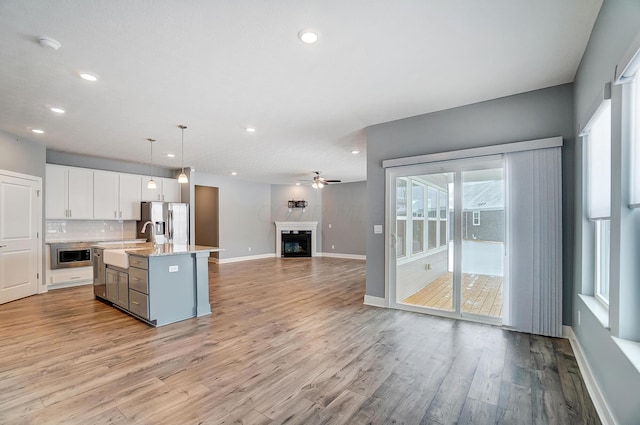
(65, 255)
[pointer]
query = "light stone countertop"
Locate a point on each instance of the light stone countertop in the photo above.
(149, 250)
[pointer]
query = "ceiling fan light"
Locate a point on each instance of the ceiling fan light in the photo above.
(182, 178)
(320, 185)
(314, 185)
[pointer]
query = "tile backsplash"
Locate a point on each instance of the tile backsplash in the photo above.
(89, 230)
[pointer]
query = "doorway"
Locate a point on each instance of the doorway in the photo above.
(20, 247)
(207, 217)
(447, 229)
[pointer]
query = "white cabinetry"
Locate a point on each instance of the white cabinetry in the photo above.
(117, 196)
(69, 192)
(167, 190)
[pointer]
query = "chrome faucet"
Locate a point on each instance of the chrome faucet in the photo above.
(153, 233)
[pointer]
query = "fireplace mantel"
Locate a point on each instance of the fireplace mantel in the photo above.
(295, 225)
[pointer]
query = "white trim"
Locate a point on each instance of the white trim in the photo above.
(631, 350)
(247, 258)
(630, 62)
(338, 255)
(54, 286)
(528, 145)
(597, 396)
(597, 309)
(375, 301)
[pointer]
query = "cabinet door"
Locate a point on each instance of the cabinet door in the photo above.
(130, 195)
(123, 290)
(151, 194)
(170, 190)
(111, 278)
(80, 186)
(105, 200)
(56, 192)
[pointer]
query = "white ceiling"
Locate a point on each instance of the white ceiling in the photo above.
(220, 66)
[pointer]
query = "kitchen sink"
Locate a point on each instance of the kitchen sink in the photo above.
(118, 257)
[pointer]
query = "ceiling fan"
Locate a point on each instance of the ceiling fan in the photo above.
(320, 182)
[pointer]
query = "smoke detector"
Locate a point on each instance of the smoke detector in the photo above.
(49, 43)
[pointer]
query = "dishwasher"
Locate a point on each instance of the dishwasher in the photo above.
(99, 275)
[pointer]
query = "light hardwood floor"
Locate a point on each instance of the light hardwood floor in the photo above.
(289, 341)
(481, 294)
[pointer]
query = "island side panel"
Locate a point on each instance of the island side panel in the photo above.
(201, 269)
(172, 294)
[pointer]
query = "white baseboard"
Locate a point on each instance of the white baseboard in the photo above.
(54, 286)
(347, 256)
(606, 417)
(247, 258)
(374, 301)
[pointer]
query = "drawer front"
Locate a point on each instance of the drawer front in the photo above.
(138, 280)
(139, 262)
(139, 303)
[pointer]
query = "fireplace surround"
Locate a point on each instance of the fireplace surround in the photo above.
(296, 231)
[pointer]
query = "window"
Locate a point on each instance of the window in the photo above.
(476, 218)
(417, 220)
(401, 217)
(598, 192)
(634, 109)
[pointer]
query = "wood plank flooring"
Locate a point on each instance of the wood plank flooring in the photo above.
(481, 294)
(289, 342)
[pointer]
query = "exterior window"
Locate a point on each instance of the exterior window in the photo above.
(598, 192)
(476, 218)
(443, 204)
(417, 221)
(401, 217)
(603, 232)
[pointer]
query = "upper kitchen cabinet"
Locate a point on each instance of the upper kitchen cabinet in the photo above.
(116, 196)
(167, 190)
(69, 192)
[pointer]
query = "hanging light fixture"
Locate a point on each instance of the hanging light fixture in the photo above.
(182, 178)
(151, 184)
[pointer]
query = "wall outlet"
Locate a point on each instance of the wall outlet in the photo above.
(173, 269)
(377, 229)
(249, 248)
(333, 247)
(578, 317)
(428, 267)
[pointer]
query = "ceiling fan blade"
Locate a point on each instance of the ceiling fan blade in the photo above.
(332, 181)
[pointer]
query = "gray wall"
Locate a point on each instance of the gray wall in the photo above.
(615, 29)
(527, 116)
(245, 215)
(344, 208)
(75, 160)
(22, 156)
(281, 194)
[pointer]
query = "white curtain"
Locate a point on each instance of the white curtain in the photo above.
(534, 241)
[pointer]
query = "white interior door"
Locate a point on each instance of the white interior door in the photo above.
(20, 207)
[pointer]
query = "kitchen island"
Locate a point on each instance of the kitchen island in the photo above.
(158, 284)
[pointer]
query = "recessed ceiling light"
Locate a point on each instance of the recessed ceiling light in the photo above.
(308, 36)
(88, 77)
(57, 110)
(298, 184)
(170, 155)
(355, 151)
(233, 173)
(250, 130)
(37, 131)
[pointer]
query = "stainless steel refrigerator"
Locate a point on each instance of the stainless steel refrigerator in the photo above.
(166, 222)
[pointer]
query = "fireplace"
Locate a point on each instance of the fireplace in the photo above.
(296, 243)
(296, 238)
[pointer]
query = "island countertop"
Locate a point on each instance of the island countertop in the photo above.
(151, 250)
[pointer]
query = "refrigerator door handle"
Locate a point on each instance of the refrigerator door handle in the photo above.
(170, 225)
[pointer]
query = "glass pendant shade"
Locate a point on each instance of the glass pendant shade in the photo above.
(151, 184)
(182, 178)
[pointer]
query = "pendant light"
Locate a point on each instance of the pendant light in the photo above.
(182, 178)
(151, 184)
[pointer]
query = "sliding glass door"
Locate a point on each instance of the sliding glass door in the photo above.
(447, 231)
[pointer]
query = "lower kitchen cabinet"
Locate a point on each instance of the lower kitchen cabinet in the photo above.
(117, 281)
